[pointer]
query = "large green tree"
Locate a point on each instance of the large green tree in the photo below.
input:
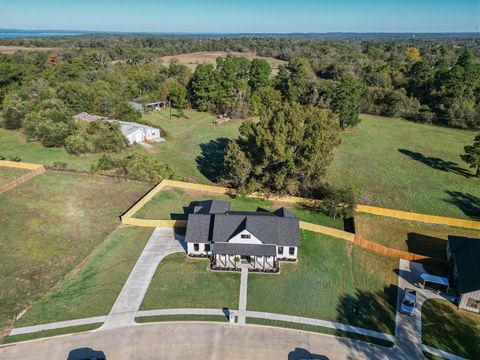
(203, 88)
(287, 151)
(260, 71)
(472, 155)
(346, 102)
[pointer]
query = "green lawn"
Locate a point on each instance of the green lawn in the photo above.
(93, 289)
(148, 319)
(194, 145)
(331, 280)
(173, 203)
(446, 328)
(180, 282)
(13, 143)
(412, 236)
(403, 165)
(388, 162)
(9, 174)
(48, 226)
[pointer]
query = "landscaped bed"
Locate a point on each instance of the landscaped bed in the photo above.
(48, 226)
(333, 280)
(93, 289)
(174, 203)
(8, 174)
(447, 328)
(412, 236)
(180, 282)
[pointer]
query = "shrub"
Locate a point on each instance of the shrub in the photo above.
(136, 167)
(60, 165)
(96, 136)
(334, 202)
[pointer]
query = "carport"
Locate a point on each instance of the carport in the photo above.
(433, 282)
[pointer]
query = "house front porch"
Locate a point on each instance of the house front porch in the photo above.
(234, 262)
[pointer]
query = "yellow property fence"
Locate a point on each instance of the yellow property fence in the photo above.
(128, 218)
(35, 170)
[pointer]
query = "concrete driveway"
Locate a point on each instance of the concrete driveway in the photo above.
(408, 329)
(162, 242)
(198, 341)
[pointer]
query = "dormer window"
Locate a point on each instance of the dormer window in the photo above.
(245, 236)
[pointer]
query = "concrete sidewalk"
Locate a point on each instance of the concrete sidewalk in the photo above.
(242, 306)
(57, 325)
(161, 243)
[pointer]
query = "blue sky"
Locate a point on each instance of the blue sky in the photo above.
(279, 16)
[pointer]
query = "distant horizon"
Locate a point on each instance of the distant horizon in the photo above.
(53, 30)
(247, 16)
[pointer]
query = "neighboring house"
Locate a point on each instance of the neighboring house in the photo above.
(152, 106)
(134, 132)
(464, 256)
(260, 238)
(138, 133)
(83, 116)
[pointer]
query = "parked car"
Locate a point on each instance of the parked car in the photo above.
(408, 302)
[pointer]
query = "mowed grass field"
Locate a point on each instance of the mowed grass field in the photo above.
(176, 204)
(388, 162)
(333, 280)
(407, 166)
(48, 226)
(420, 238)
(8, 174)
(210, 57)
(447, 328)
(93, 289)
(180, 282)
(194, 148)
(13, 143)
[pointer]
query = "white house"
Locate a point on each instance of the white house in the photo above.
(134, 132)
(138, 133)
(464, 255)
(260, 239)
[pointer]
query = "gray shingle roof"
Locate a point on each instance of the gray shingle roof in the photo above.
(244, 249)
(198, 228)
(268, 229)
(212, 222)
(212, 207)
(466, 253)
(284, 212)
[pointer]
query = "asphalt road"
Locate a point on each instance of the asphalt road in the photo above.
(196, 341)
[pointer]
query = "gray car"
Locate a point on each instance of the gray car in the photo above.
(408, 301)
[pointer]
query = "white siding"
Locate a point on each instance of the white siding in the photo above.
(226, 261)
(464, 300)
(201, 249)
(135, 137)
(286, 253)
(152, 134)
(237, 239)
